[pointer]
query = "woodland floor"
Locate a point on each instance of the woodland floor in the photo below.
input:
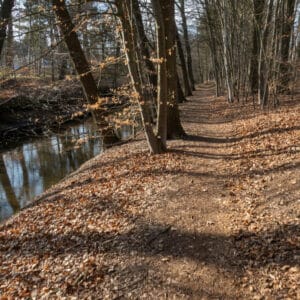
(217, 217)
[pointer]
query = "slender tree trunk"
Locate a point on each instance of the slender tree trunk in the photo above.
(187, 44)
(263, 71)
(213, 48)
(10, 46)
(287, 29)
(145, 43)
(75, 50)
(258, 9)
(180, 94)
(162, 80)
(5, 15)
(134, 60)
(223, 11)
(175, 129)
(187, 88)
(81, 65)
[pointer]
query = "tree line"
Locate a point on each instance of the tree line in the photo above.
(249, 48)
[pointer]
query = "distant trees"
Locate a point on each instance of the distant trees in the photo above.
(259, 63)
(247, 47)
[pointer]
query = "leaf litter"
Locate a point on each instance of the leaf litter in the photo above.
(216, 217)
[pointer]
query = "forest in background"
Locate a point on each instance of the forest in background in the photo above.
(152, 53)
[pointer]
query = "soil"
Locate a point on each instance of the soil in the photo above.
(32, 107)
(217, 217)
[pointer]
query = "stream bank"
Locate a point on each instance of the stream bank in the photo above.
(45, 134)
(33, 108)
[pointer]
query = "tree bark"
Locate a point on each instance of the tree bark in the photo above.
(258, 9)
(145, 43)
(5, 15)
(180, 94)
(187, 44)
(175, 129)
(263, 82)
(287, 29)
(82, 67)
(162, 80)
(10, 46)
(223, 11)
(213, 48)
(134, 60)
(187, 88)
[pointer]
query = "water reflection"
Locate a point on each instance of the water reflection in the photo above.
(28, 170)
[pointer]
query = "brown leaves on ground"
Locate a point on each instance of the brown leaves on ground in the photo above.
(263, 160)
(215, 218)
(61, 245)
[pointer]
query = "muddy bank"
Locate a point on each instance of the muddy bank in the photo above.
(32, 108)
(29, 109)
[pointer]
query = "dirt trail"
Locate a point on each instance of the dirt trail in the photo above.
(199, 242)
(203, 221)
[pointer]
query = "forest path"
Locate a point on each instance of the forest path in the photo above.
(199, 241)
(216, 217)
(233, 205)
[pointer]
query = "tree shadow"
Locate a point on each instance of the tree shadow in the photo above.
(232, 253)
(238, 156)
(220, 140)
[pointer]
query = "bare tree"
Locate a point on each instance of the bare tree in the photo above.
(82, 67)
(181, 7)
(5, 15)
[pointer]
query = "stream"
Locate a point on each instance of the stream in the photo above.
(29, 169)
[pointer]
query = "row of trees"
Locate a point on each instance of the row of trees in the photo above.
(253, 46)
(247, 47)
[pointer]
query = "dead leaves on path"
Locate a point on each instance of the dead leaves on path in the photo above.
(82, 238)
(65, 244)
(266, 198)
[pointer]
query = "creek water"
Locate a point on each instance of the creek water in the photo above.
(29, 169)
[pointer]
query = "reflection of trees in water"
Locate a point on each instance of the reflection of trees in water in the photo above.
(29, 170)
(25, 175)
(65, 154)
(7, 186)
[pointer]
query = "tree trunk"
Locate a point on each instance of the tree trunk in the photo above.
(187, 44)
(213, 48)
(258, 7)
(10, 46)
(5, 14)
(134, 61)
(75, 50)
(145, 43)
(263, 83)
(180, 95)
(81, 65)
(187, 88)
(162, 80)
(287, 29)
(223, 11)
(175, 129)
